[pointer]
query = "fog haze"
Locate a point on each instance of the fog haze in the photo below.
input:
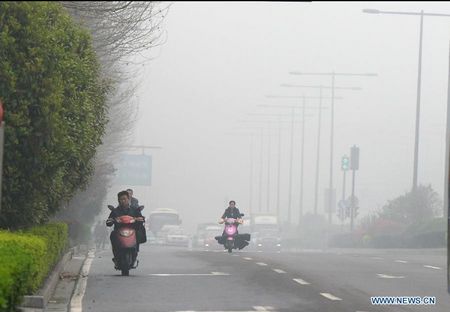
(219, 62)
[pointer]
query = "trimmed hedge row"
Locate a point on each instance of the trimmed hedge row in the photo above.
(26, 257)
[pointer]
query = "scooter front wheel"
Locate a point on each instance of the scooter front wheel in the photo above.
(230, 250)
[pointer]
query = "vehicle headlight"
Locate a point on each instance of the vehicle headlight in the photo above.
(278, 245)
(259, 245)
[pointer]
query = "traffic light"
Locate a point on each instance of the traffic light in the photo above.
(345, 163)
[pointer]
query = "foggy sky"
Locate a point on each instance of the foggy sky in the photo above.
(219, 62)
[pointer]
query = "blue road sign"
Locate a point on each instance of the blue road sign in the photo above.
(134, 170)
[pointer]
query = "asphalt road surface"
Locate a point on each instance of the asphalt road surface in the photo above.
(179, 279)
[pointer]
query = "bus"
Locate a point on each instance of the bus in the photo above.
(162, 216)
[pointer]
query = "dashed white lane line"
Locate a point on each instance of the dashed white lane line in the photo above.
(247, 258)
(279, 271)
(300, 281)
(389, 276)
(261, 263)
(432, 267)
(330, 296)
(401, 261)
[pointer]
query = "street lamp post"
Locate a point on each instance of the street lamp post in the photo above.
(333, 75)
(279, 157)
(320, 87)
(293, 107)
(419, 78)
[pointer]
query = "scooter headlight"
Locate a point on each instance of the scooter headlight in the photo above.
(126, 233)
(259, 245)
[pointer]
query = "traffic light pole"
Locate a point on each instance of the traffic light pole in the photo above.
(354, 165)
(352, 211)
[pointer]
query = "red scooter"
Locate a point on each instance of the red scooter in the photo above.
(126, 241)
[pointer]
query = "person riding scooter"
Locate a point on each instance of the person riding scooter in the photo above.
(232, 212)
(124, 209)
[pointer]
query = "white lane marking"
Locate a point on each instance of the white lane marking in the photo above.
(330, 296)
(261, 263)
(279, 271)
(300, 281)
(77, 299)
(389, 276)
(191, 274)
(401, 261)
(255, 308)
(247, 258)
(432, 267)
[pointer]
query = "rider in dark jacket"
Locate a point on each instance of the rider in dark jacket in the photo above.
(231, 212)
(124, 209)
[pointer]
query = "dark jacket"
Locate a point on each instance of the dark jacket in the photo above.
(231, 213)
(141, 234)
(134, 202)
(118, 212)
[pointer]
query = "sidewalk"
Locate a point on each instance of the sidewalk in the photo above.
(68, 277)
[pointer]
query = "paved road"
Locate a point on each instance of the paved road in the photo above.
(177, 279)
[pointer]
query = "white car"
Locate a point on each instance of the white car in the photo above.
(177, 237)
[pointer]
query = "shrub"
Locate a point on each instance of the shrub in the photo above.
(25, 260)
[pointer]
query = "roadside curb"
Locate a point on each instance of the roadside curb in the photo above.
(40, 300)
(58, 289)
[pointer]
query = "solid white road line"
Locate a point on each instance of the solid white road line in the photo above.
(191, 274)
(300, 281)
(279, 271)
(330, 296)
(432, 267)
(76, 303)
(389, 276)
(401, 261)
(247, 258)
(261, 263)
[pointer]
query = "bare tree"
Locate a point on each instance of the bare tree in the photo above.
(120, 30)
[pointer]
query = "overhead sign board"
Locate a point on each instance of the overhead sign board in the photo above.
(134, 170)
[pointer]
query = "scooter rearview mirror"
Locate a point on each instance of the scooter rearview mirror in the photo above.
(110, 207)
(141, 208)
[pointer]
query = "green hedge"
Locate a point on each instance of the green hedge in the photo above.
(26, 258)
(55, 110)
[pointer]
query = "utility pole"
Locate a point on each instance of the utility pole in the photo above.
(420, 14)
(354, 165)
(293, 107)
(333, 75)
(321, 88)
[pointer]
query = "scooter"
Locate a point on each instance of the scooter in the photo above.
(126, 241)
(231, 233)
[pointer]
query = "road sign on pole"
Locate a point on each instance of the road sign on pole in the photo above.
(134, 170)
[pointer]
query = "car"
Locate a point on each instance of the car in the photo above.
(208, 238)
(161, 237)
(177, 237)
